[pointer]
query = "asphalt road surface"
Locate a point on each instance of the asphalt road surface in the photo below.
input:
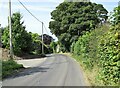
(56, 70)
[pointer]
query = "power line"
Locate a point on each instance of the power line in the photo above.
(33, 15)
(29, 11)
(45, 28)
(38, 21)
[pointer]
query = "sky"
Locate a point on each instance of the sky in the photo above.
(41, 9)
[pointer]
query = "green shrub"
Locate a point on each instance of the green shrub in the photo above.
(0, 69)
(101, 48)
(87, 46)
(9, 67)
(109, 57)
(72, 47)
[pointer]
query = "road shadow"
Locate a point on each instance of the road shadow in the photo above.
(28, 71)
(31, 70)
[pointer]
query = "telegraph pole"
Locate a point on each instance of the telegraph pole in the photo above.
(42, 40)
(10, 31)
(0, 36)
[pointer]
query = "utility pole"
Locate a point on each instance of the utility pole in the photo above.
(0, 36)
(42, 40)
(10, 31)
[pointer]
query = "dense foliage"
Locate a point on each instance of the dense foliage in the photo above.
(71, 19)
(109, 55)
(53, 45)
(101, 48)
(115, 16)
(109, 52)
(21, 40)
(87, 46)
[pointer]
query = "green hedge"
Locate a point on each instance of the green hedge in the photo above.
(109, 55)
(0, 70)
(101, 48)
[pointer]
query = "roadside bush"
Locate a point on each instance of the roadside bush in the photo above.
(53, 46)
(0, 70)
(101, 48)
(87, 46)
(109, 57)
(72, 47)
(9, 67)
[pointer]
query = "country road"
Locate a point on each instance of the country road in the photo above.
(56, 70)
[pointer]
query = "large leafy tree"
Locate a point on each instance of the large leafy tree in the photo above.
(115, 16)
(71, 19)
(21, 40)
(47, 39)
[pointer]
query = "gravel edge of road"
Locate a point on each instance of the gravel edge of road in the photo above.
(81, 68)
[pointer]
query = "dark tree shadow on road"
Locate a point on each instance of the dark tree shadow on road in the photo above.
(28, 71)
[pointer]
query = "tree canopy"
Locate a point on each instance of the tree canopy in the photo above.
(71, 19)
(21, 40)
(115, 17)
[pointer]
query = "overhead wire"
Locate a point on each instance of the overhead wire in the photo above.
(36, 19)
(45, 28)
(33, 15)
(29, 11)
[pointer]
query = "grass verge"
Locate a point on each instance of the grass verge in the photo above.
(0, 70)
(9, 68)
(90, 74)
